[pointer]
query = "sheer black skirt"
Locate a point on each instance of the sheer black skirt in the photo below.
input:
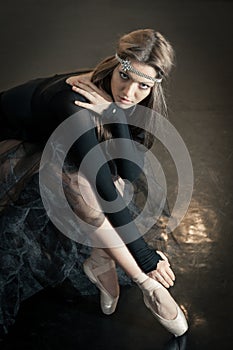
(33, 253)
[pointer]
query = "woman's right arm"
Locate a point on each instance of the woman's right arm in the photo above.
(62, 106)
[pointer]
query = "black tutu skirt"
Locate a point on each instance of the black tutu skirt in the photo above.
(34, 253)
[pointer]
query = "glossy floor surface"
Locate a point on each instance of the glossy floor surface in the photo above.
(39, 38)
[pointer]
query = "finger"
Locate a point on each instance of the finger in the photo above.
(164, 267)
(163, 256)
(158, 277)
(84, 105)
(171, 274)
(84, 78)
(152, 274)
(88, 86)
(81, 89)
(92, 96)
(70, 81)
(162, 280)
(168, 279)
(89, 95)
(75, 79)
(167, 272)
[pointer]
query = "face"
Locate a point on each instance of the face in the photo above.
(128, 88)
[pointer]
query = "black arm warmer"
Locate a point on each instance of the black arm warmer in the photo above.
(146, 258)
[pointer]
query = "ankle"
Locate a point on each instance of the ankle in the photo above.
(101, 257)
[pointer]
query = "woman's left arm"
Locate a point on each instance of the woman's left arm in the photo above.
(163, 272)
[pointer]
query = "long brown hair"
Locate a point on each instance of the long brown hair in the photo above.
(146, 46)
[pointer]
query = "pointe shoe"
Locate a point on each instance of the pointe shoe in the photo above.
(97, 264)
(177, 326)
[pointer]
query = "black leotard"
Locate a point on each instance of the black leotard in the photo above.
(33, 110)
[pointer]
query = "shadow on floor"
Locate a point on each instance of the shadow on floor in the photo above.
(56, 319)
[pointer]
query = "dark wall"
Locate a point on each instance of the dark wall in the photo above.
(41, 37)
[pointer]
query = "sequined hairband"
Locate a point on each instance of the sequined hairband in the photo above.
(126, 66)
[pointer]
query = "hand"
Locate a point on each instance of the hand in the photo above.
(98, 99)
(163, 272)
(82, 78)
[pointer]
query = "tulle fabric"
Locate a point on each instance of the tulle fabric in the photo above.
(34, 254)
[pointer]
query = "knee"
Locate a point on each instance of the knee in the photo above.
(94, 218)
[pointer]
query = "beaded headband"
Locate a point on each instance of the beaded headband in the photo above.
(126, 66)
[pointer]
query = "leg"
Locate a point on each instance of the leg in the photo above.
(99, 267)
(123, 257)
(109, 277)
(101, 271)
(156, 297)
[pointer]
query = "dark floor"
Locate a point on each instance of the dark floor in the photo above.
(43, 37)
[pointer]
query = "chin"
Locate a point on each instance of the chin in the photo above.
(124, 105)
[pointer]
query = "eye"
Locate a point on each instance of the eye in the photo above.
(144, 86)
(124, 76)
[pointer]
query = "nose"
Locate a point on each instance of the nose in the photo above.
(129, 89)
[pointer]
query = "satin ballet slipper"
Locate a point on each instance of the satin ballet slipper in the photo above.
(178, 325)
(97, 264)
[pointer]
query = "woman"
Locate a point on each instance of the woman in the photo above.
(111, 92)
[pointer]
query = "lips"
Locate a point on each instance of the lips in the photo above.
(125, 100)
